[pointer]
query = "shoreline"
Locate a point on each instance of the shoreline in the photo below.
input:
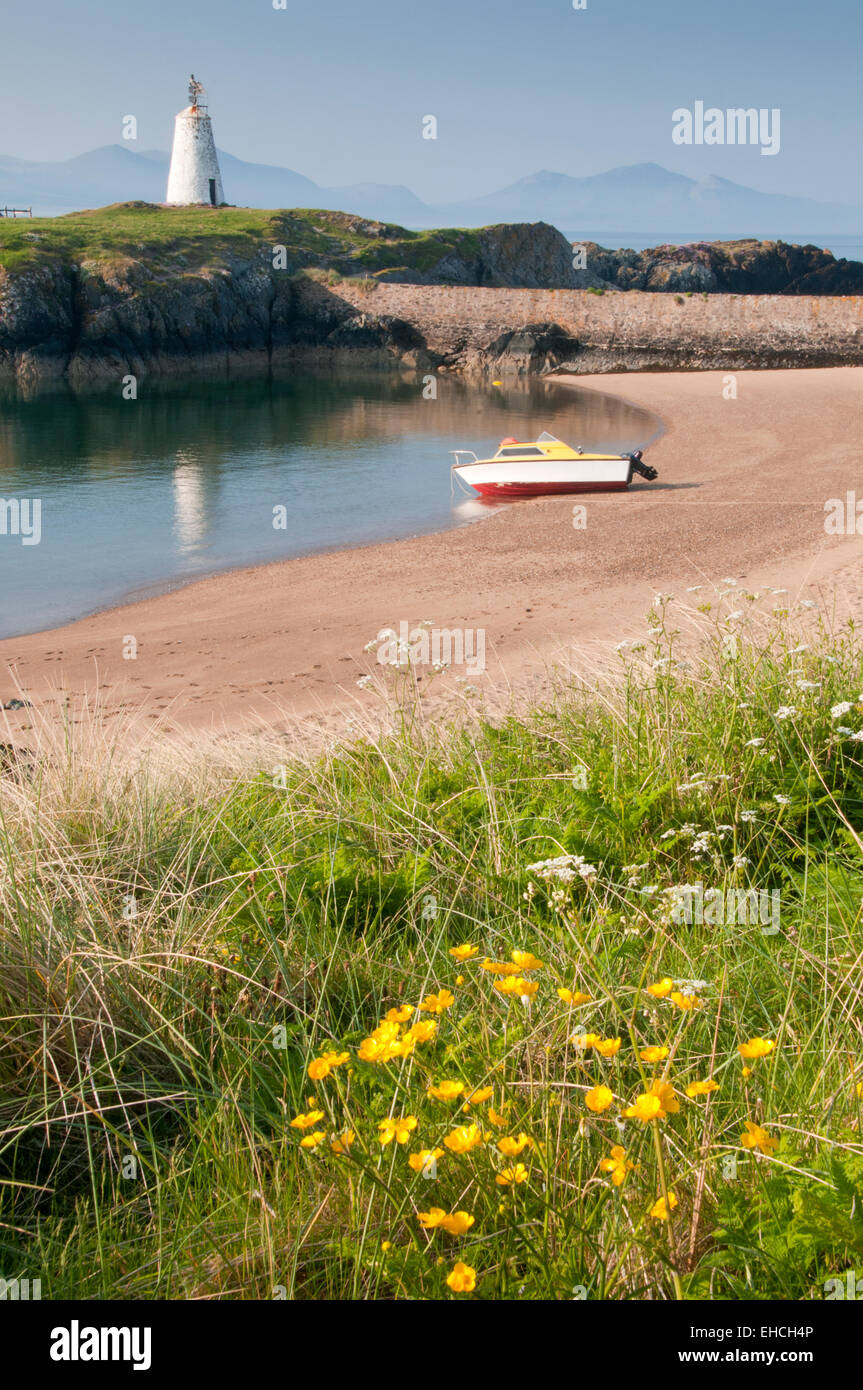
(265, 645)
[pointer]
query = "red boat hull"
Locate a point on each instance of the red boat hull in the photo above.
(504, 490)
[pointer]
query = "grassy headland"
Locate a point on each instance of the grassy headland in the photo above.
(194, 237)
(250, 1039)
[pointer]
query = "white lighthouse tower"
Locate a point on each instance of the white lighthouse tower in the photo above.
(194, 175)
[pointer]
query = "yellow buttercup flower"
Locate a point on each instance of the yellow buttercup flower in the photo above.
(654, 1104)
(387, 1031)
(645, 1107)
(661, 988)
(653, 1054)
(608, 1047)
(306, 1121)
(660, 1210)
(436, 1003)
(431, 1218)
(754, 1137)
(685, 1001)
(499, 967)
(701, 1088)
(421, 1032)
(667, 1099)
(422, 1157)
(373, 1049)
(618, 1165)
(573, 997)
(400, 1015)
(586, 1039)
(462, 1278)
(526, 960)
(599, 1099)
(517, 984)
(341, 1143)
(399, 1130)
(511, 1148)
(477, 1097)
(498, 1120)
(463, 952)
(756, 1047)
(463, 1139)
(512, 1176)
(859, 1089)
(327, 1062)
(311, 1141)
(446, 1090)
(458, 1223)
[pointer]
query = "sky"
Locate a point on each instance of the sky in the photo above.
(337, 90)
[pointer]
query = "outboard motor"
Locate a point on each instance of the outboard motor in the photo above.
(639, 466)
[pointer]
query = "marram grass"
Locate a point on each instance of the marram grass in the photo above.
(328, 1034)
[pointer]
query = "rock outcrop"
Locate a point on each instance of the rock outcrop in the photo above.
(725, 267)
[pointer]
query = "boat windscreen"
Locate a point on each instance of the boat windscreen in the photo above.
(546, 438)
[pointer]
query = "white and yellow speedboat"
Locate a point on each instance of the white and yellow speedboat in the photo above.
(546, 465)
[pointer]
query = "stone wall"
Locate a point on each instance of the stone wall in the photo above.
(575, 330)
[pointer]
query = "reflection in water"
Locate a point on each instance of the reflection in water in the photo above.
(190, 512)
(183, 481)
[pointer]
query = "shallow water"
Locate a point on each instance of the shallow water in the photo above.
(137, 496)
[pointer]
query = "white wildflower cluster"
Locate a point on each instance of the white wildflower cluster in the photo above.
(700, 847)
(634, 872)
(688, 829)
(364, 682)
(785, 712)
(747, 816)
(564, 868)
(844, 707)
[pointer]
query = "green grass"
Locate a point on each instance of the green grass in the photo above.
(194, 237)
(185, 931)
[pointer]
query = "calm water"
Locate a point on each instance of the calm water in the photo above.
(137, 496)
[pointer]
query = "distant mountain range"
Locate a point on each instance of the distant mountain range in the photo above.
(645, 197)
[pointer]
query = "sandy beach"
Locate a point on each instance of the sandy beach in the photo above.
(741, 493)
